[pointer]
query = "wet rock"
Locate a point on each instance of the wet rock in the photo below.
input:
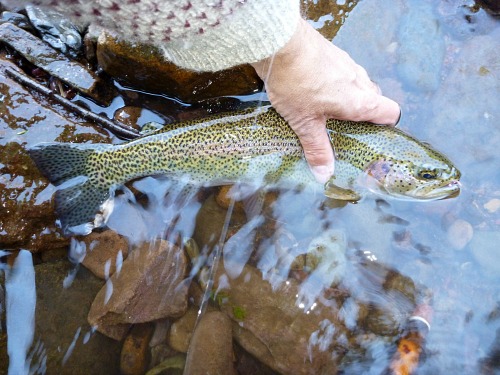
(223, 199)
(269, 323)
(105, 252)
(56, 64)
(150, 286)
(70, 344)
(129, 116)
(27, 217)
(160, 334)
(143, 67)
(460, 233)
(135, 351)
(492, 6)
(182, 330)
(484, 246)
(171, 366)
(56, 29)
(210, 221)
(211, 350)
(17, 19)
(328, 15)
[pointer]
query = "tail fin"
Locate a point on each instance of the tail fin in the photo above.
(77, 198)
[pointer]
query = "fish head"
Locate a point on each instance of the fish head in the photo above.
(413, 178)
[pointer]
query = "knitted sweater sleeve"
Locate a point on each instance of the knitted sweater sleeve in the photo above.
(201, 35)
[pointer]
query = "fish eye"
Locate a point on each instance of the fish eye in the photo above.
(427, 174)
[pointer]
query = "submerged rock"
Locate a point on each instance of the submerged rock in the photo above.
(105, 253)
(68, 344)
(211, 351)
(182, 330)
(135, 351)
(269, 323)
(144, 68)
(150, 286)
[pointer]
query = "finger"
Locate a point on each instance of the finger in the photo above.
(317, 149)
(384, 111)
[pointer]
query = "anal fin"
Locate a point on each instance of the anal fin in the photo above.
(336, 192)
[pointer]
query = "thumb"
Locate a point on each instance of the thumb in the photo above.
(317, 149)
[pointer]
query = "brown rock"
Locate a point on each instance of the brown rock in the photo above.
(104, 251)
(492, 6)
(211, 348)
(129, 116)
(210, 221)
(223, 199)
(269, 323)
(150, 286)
(135, 351)
(143, 67)
(316, 9)
(182, 329)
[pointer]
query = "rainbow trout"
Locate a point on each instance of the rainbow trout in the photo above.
(255, 147)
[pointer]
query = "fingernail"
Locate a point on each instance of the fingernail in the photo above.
(399, 118)
(322, 173)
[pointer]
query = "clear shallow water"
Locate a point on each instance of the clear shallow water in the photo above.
(444, 71)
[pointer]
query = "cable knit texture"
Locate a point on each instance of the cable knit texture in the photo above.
(201, 35)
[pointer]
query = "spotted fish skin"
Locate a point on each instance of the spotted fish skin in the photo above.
(255, 147)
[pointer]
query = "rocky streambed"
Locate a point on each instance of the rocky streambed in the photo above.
(300, 288)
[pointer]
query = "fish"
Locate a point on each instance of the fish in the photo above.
(255, 146)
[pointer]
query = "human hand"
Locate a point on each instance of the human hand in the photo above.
(309, 81)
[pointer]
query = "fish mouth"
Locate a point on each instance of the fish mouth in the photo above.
(448, 190)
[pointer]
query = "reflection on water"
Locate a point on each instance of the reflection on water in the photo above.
(310, 285)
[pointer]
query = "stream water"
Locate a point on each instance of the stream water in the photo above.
(441, 62)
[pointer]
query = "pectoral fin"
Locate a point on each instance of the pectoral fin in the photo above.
(336, 192)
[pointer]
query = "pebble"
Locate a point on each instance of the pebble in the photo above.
(182, 330)
(134, 356)
(492, 205)
(460, 233)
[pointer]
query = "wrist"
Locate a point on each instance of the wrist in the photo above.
(288, 53)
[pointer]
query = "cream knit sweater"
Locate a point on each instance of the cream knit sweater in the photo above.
(201, 35)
